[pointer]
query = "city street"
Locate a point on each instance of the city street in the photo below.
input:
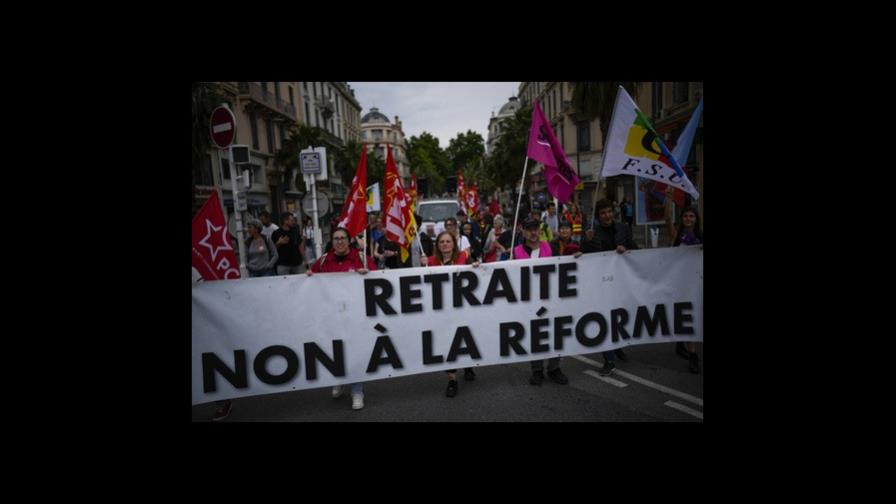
(654, 385)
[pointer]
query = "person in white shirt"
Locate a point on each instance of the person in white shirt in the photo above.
(462, 242)
(268, 227)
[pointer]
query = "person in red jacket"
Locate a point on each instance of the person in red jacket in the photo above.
(344, 258)
(447, 254)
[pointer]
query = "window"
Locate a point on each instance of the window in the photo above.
(679, 92)
(282, 135)
(657, 99)
(307, 114)
(291, 100)
(270, 130)
(317, 118)
(584, 136)
(205, 172)
(277, 91)
(253, 122)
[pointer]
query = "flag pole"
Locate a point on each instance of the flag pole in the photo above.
(517, 213)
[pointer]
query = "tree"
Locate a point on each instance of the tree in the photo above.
(596, 99)
(429, 161)
(299, 137)
(504, 165)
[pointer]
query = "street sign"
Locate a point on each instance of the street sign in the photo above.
(223, 127)
(241, 202)
(323, 203)
(310, 162)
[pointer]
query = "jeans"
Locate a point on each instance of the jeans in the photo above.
(288, 270)
(357, 388)
(610, 356)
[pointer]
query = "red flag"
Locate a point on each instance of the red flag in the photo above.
(213, 256)
(461, 193)
(496, 205)
(472, 199)
(398, 212)
(354, 210)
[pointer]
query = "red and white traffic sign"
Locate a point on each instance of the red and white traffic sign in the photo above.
(223, 127)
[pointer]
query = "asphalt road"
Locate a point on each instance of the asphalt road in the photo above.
(653, 386)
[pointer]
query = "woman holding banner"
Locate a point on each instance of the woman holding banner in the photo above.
(448, 254)
(688, 234)
(341, 259)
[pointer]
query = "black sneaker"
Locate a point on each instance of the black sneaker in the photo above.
(558, 377)
(607, 369)
(223, 411)
(682, 351)
(621, 355)
(469, 375)
(451, 391)
(694, 367)
(536, 378)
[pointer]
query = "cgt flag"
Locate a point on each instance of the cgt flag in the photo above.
(544, 148)
(634, 148)
(399, 221)
(213, 256)
(354, 211)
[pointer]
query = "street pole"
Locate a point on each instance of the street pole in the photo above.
(237, 214)
(517, 213)
(317, 234)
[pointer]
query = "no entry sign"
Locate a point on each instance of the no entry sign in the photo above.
(223, 127)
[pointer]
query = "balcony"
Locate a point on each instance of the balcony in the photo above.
(262, 97)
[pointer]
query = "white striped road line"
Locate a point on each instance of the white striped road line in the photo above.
(684, 409)
(647, 383)
(605, 378)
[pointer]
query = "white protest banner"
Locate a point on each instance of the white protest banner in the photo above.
(278, 334)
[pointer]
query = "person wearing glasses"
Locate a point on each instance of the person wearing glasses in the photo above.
(344, 258)
(463, 243)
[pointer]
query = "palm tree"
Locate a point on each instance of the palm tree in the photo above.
(300, 137)
(596, 99)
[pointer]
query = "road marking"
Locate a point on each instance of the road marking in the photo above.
(647, 383)
(605, 378)
(684, 409)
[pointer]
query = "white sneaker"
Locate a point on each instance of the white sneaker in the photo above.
(337, 391)
(357, 401)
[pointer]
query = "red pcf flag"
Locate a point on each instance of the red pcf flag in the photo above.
(213, 257)
(354, 211)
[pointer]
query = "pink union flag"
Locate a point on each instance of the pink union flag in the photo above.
(544, 148)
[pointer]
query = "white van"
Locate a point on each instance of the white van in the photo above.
(433, 214)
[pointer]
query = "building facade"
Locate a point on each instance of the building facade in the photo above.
(264, 112)
(379, 134)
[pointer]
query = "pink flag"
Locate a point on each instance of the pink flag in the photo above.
(544, 148)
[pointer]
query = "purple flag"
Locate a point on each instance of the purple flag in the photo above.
(544, 148)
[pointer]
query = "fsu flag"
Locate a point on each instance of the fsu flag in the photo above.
(399, 221)
(633, 147)
(354, 211)
(544, 148)
(213, 257)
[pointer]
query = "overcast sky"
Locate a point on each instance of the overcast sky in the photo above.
(443, 109)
